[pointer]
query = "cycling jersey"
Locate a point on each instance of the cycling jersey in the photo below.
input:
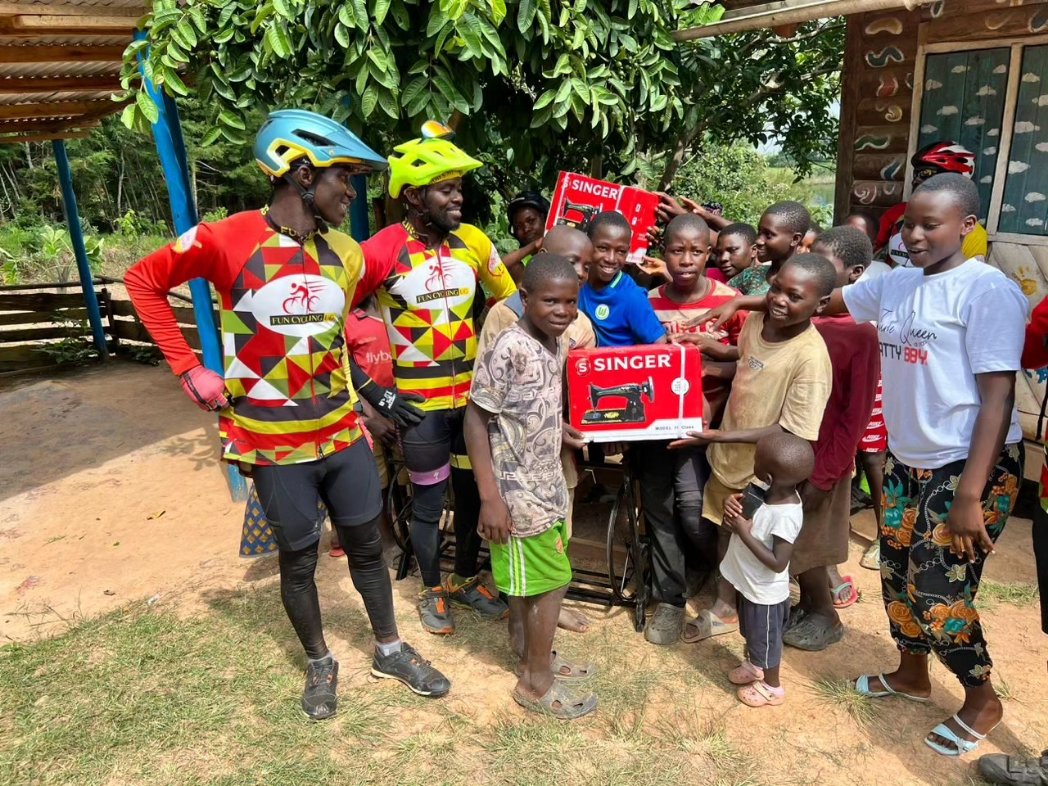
(282, 307)
(426, 296)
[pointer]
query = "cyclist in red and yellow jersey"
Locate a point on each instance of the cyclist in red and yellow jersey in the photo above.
(428, 272)
(285, 284)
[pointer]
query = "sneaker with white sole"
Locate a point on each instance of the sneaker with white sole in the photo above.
(407, 666)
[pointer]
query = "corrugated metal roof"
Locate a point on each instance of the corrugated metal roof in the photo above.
(60, 63)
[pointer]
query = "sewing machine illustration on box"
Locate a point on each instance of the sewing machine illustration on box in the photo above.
(586, 211)
(633, 412)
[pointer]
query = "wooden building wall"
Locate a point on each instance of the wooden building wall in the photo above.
(876, 113)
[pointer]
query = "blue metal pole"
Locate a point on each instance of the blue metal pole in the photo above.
(359, 227)
(170, 147)
(76, 235)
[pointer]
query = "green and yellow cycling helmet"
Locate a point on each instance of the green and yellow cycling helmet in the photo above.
(430, 159)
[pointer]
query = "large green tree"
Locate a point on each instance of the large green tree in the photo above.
(534, 85)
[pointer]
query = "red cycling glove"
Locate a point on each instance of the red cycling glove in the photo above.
(205, 388)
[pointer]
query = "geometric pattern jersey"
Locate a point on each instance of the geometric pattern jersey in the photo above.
(426, 296)
(282, 312)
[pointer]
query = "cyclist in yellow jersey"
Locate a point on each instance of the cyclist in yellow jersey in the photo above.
(428, 272)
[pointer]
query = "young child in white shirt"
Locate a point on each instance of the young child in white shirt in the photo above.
(758, 559)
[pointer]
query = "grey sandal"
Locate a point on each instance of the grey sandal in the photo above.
(564, 669)
(811, 635)
(558, 702)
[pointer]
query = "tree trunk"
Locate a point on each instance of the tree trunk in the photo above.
(597, 166)
(120, 187)
(680, 149)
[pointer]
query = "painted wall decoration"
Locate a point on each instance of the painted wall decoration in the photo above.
(889, 55)
(1025, 206)
(963, 101)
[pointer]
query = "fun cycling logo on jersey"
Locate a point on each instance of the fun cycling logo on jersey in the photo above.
(437, 284)
(298, 305)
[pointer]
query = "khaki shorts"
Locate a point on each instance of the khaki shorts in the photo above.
(714, 495)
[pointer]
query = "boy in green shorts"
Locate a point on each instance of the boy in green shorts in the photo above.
(513, 436)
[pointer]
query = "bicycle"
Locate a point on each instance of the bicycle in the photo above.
(629, 564)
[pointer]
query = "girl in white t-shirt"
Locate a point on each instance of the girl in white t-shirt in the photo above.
(951, 332)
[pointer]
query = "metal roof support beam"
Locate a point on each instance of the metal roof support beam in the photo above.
(62, 53)
(170, 147)
(788, 12)
(59, 84)
(76, 235)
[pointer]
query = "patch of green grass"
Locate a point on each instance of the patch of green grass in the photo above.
(842, 695)
(1019, 594)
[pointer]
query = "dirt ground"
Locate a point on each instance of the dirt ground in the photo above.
(110, 492)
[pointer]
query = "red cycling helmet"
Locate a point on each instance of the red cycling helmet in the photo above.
(944, 157)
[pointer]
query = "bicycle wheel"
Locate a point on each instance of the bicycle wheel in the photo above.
(398, 504)
(641, 548)
(621, 552)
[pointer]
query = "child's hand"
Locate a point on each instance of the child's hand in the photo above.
(571, 436)
(739, 526)
(381, 428)
(715, 316)
(655, 267)
(733, 506)
(654, 237)
(494, 523)
(668, 207)
(968, 527)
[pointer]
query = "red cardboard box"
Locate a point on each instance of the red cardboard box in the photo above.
(578, 198)
(619, 394)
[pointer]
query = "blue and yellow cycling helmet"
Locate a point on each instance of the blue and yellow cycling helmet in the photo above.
(292, 134)
(431, 159)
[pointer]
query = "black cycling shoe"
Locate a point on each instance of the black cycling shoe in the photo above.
(412, 669)
(320, 699)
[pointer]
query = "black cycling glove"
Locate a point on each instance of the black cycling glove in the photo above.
(395, 406)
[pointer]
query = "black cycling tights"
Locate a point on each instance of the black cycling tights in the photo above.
(298, 589)
(427, 507)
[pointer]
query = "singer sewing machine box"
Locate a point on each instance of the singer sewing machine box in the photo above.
(579, 198)
(622, 394)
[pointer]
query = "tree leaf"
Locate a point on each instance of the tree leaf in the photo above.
(347, 17)
(525, 16)
(368, 101)
(231, 120)
(498, 11)
(341, 35)
(127, 116)
(187, 32)
(212, 137)
(544, 100)
(280, 6)
(174, 82)
(145, 104)
(380, 10)
(414, 87)
(277, 39)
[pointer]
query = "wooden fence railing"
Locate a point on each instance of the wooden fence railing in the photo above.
(37, 324)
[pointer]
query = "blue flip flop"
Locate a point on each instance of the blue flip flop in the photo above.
(962, 746)
(862, 687)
